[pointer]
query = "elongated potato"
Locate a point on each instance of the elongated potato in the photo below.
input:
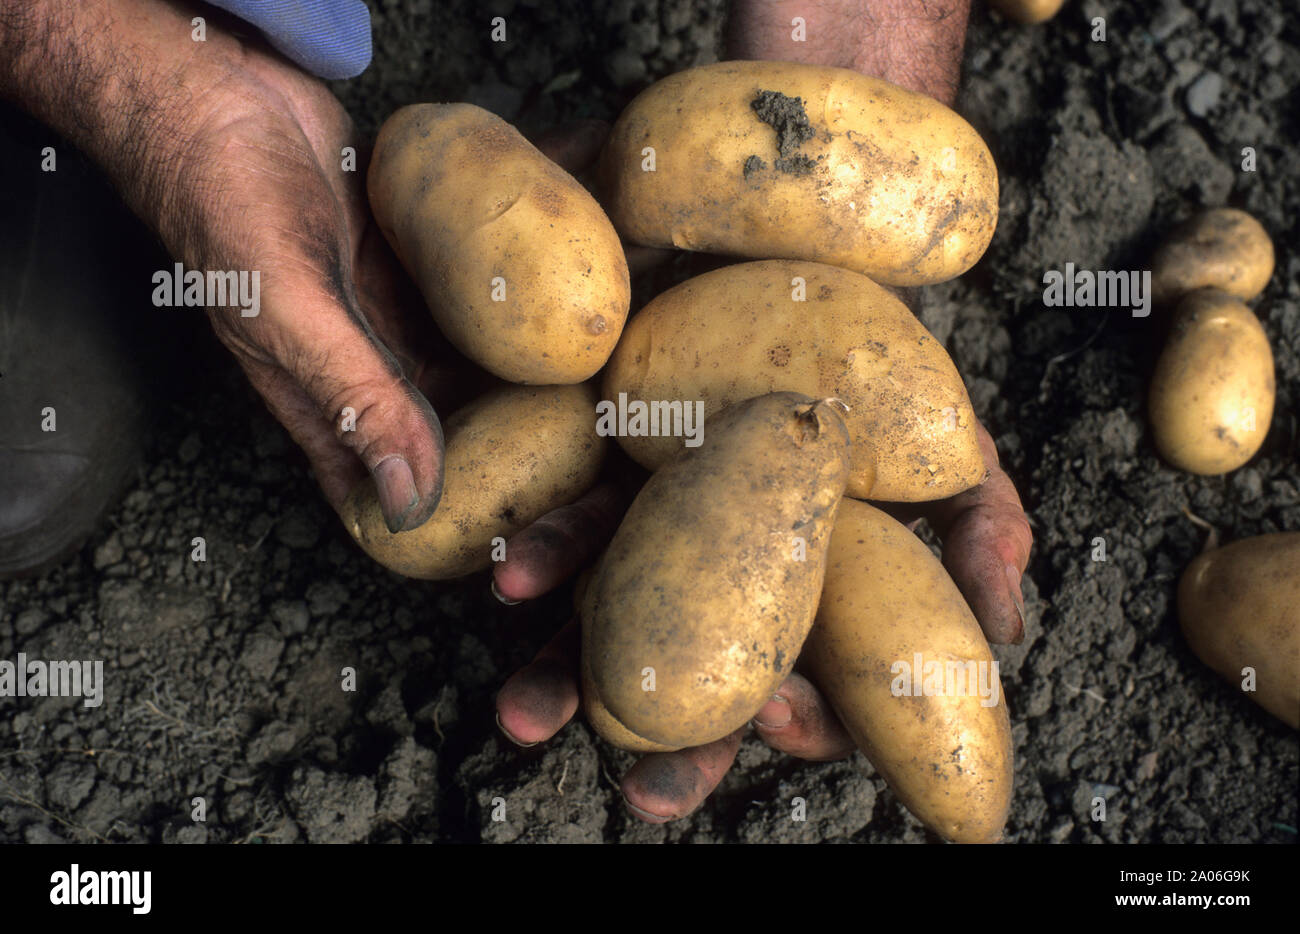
(512, 456)
(1239, 607)
(941, 740)
(1028, 11)
(1212, 390)
(778, 159)
(517, 262)
(1223, 249)
(737, 332)
(698, 609)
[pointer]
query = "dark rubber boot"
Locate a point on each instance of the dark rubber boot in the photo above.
(74, 293)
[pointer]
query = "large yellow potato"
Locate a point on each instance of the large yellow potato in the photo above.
(1212, 390)
(1223, 249)
(887, 605)
(737, 332)
(778, 159)
(518, 263)
(1028, 11)
(512, 456)
(1239, 607)
(698, 609)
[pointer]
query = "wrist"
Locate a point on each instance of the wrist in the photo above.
(112, 76)
(125, 82)
(917, 46)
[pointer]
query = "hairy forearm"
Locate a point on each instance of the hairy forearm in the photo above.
(126, 83)
(916, 44)
(113, 76)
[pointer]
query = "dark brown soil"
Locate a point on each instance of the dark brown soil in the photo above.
(223, 678)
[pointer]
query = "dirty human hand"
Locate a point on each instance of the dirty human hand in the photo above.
(236, 158)
(985, 532)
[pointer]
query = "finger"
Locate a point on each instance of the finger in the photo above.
(558, 544)
(284, 220)
(574, 146)
(318, 335)
(986, 544)
(799, 722)
(335, 468)
(665, 786)
(540, 698)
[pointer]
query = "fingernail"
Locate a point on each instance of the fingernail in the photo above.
(1013, 590)
(775, 714)
(518, 742)
(396, 487)
(644, 814)
(507, 601)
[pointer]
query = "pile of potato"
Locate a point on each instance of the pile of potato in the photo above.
(819, 387)
(1211, 402)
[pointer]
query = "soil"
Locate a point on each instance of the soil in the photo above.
(786, 115)
(223, 677)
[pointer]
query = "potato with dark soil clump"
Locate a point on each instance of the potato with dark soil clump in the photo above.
(793, 161)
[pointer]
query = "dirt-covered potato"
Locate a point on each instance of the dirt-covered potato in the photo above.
(1239, 607)
(778, 159)
(512, 456)
(518, 263)
(698, 609)
(901, 659)
(1028, 11)
(1223, 249)
(753, 328)
(1212, 391)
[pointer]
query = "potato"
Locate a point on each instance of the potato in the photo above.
(518, 264)
(736, 332)
(785, 160)
(1239, 607)
(1223, 249)
(710, 584)
(603, 722)
(888, 608)
(1212, 390)
(512, 456)
(1028, 11)
(600, 719)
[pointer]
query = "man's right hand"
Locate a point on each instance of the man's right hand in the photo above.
(234, 156)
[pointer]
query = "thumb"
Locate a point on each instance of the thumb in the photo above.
(343, 398)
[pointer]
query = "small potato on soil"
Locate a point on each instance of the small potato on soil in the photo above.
(1213, 388)
(1239, 607)
(1223, 249)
